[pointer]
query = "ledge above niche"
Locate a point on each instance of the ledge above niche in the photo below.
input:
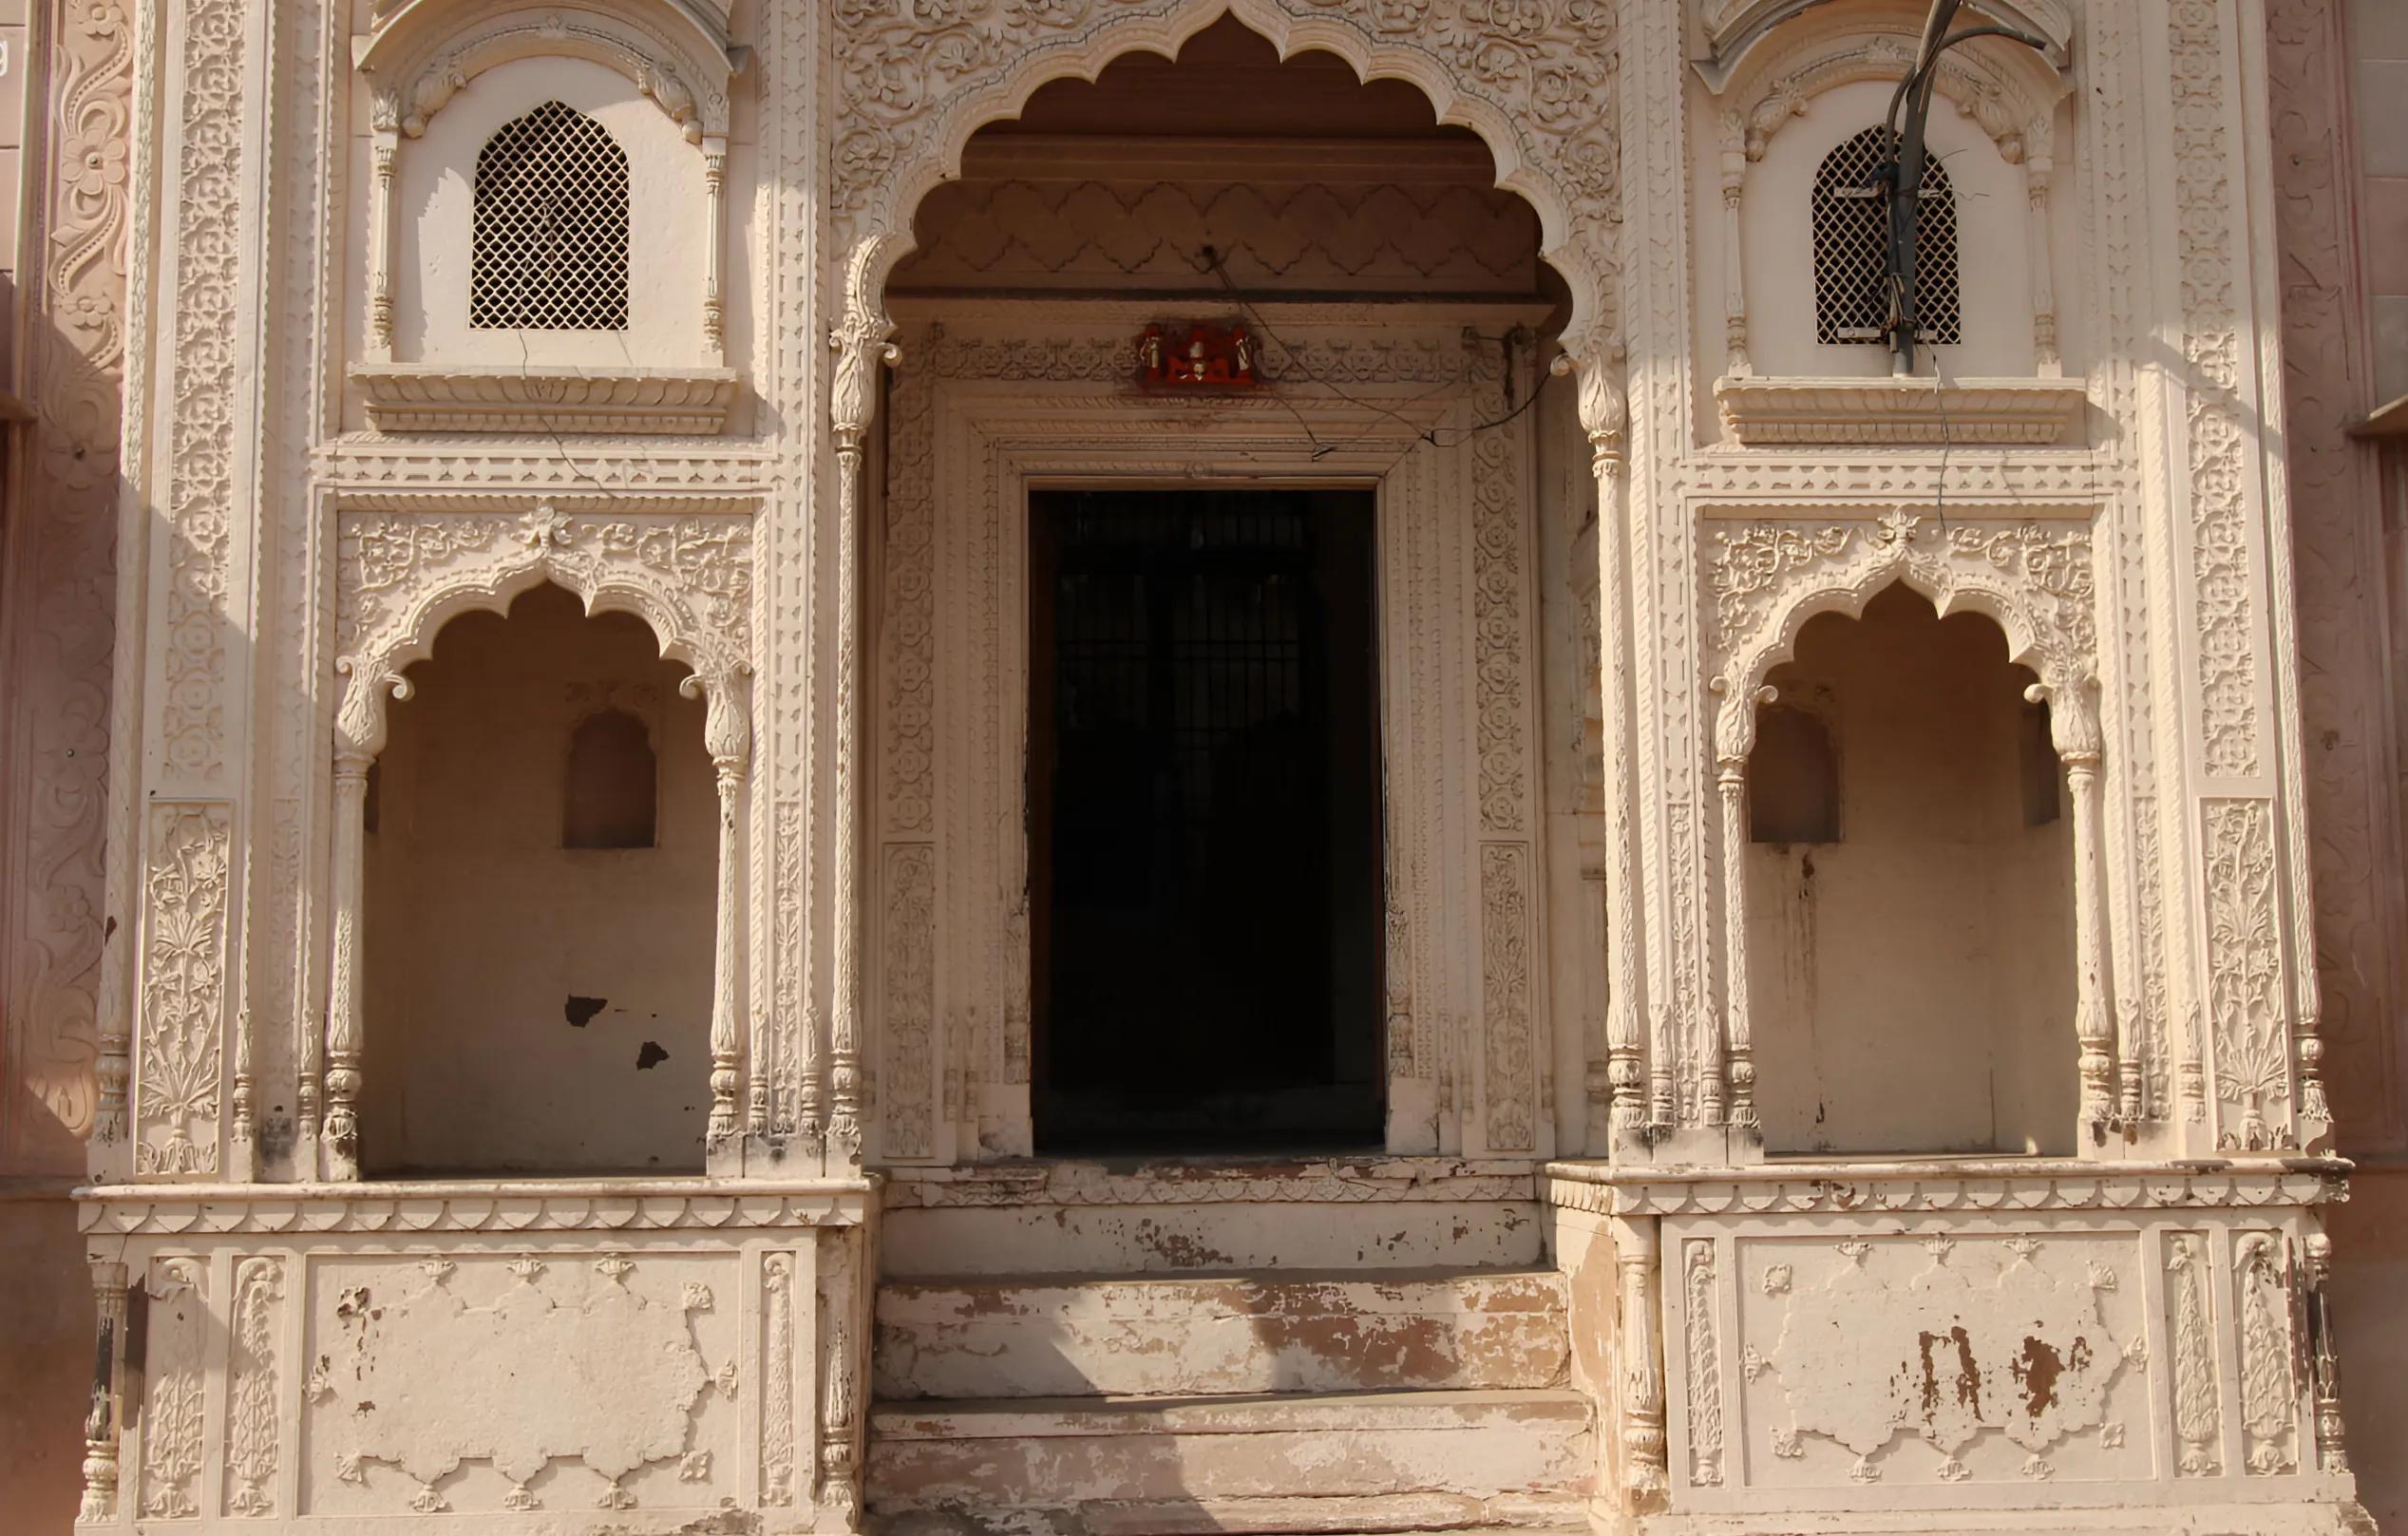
(419, 397)
(1762, 412)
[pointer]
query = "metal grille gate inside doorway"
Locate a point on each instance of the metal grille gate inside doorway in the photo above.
(1204, 791)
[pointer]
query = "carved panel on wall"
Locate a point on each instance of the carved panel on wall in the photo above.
(1767, 579)
(2005, 1356)
(203, 511)
(254, 1412)
(560, 1382)
(176, 1372)
(2222, 571)
(400, 575)
(179, 1068)
(2250, 1024)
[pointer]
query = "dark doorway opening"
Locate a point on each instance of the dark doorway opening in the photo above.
(1206, 821)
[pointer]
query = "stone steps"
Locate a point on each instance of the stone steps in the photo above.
(1296, 1462)
(1284, 1331)
(1182, 1216)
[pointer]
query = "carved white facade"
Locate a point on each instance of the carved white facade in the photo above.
(1562, 331)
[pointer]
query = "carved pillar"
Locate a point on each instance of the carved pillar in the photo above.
(1644, 1476)
(382, 146)
(727, 734)
(101, 1418)
(1604, 415)
(860, 345)
(2037, 165)
(714, 304)
(1731, 782)
(344, 1040)
(1735, 282)
(2324, 1366)
(840, 1335)
(2094, 1014)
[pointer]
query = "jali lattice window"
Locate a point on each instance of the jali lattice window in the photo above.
(1852, 243)
(549, 251)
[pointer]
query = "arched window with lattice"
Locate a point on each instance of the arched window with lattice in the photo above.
(1851, 238)
(549, 247)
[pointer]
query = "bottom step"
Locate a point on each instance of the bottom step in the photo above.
(1305, 1462)
(1404, 1516)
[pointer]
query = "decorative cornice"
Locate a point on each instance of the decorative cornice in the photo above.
(1985, 412)
(407, 1209)
(2010, 1185)
(417, 397)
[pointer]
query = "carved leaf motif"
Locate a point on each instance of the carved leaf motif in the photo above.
(911, 1048)
(2198, 1413)
(2245, 971)
(1505, 925)
(183, 987)
(250, 1443)
(1706, 1369)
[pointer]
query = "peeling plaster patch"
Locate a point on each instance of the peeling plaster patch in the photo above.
(649, 1056)
(580, 1011)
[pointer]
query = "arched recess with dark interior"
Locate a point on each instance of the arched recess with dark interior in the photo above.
(533, 1004)
(1910, 929)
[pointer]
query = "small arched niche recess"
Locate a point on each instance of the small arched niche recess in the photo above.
(609, 790)
(1912, 977)
(531, 1008)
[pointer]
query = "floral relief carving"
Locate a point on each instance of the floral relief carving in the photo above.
(911, 1053)
(777, 1395)
(2250, 1031)
(1766, 579)
(177, 1373)
(2198, 1409)
(183, 987)
(2220, 573)
(2269, 1390)
(63, 628)
(398, 575)
(252, 1437)
(1498, 642)
(1705, 1366)
(1504, 993)
(201, 510)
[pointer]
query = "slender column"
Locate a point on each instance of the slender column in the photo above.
(344, 1040)
(859, 344)
(841, 1331)
(1606, 416)
(727, 733)
(1642, 1408)
(715, 308)
(2093, 1019)
(100, 1419)
(1734, 281)
(383, 146)
(2038, 167)
(1731, 780)
(2324, 1366)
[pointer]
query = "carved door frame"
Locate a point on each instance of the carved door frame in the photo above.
(992, 400)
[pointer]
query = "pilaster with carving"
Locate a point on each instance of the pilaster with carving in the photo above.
(102, 1416)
